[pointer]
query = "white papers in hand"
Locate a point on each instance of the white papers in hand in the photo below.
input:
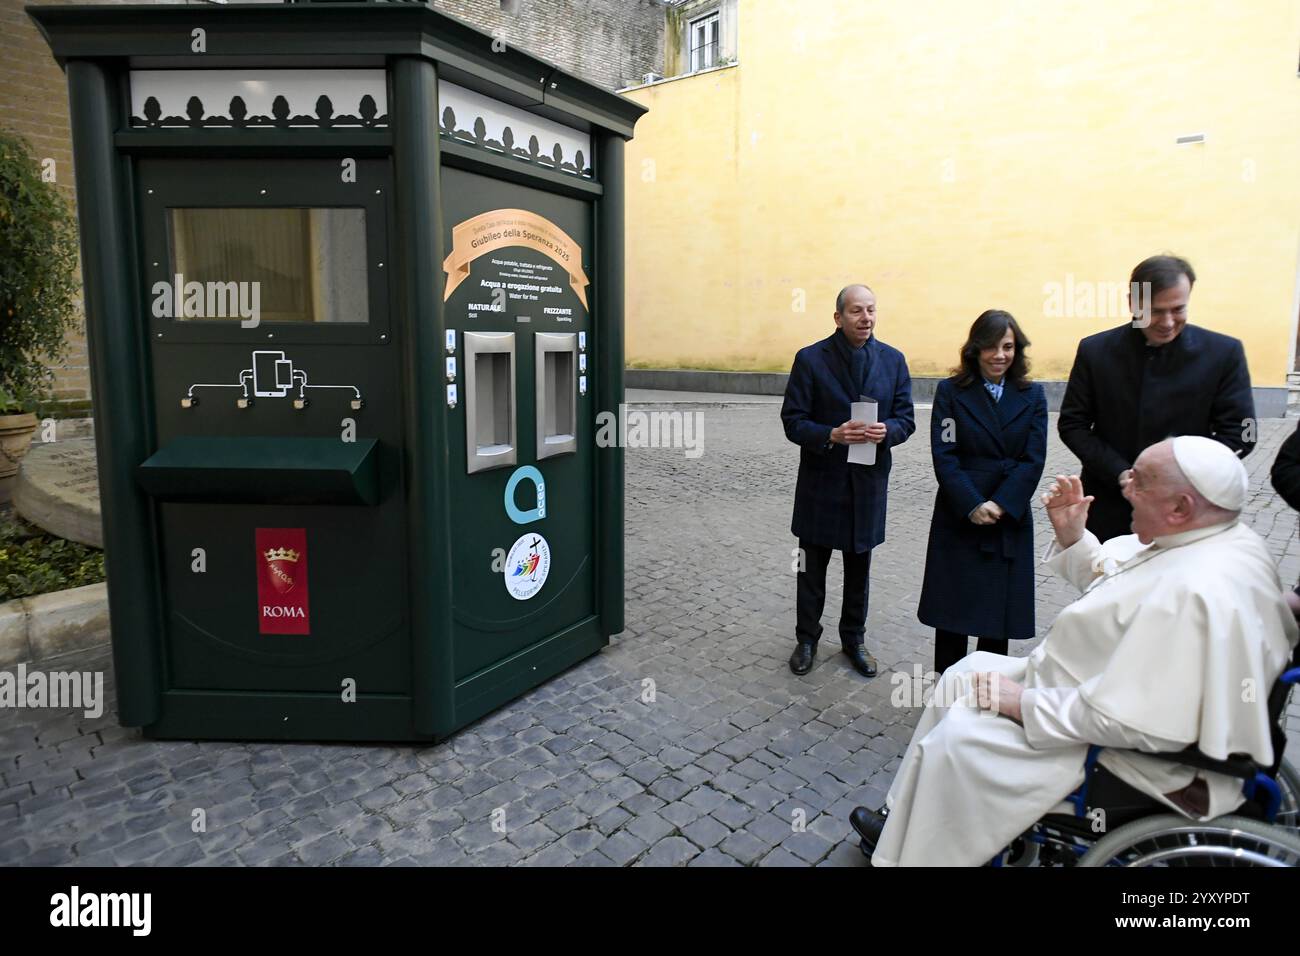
(865, 453)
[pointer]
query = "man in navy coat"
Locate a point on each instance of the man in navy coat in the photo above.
(1155, 378)
(839, 506)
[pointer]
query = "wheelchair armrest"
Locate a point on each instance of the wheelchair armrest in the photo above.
(1237, 765)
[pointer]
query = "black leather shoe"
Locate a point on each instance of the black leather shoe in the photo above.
(862, 662)
(869, 825)
(801, 660)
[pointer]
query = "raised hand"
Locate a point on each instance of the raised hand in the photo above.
(1067, 508)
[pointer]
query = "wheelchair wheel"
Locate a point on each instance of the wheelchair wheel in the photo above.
(1022, 852)
(1288, 812)
(1168, 839)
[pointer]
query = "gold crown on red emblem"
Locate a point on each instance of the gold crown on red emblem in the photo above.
(282, 554)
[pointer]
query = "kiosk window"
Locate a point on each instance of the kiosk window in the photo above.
(558, 425)
(557, 422)
(489, 400)
(492, 374)
(295, 265)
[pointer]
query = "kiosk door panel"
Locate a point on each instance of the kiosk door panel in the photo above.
(276, 471)
(518, 262)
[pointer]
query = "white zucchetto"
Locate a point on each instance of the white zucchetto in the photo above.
(1213, 470)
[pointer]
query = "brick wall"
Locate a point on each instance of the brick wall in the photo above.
(612, 43)
(608, 42)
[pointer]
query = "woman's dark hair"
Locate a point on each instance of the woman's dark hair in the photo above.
(984, 334)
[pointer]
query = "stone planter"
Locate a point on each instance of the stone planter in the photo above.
(57, 489)
(15, 438)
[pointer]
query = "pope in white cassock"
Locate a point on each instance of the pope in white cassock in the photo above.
(1178, 637)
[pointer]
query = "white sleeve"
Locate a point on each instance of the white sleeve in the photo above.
(1060, 717)
(1079, 563)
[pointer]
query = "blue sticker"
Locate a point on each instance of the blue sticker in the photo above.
(535, 514)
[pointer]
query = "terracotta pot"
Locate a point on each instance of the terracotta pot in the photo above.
(15, 438)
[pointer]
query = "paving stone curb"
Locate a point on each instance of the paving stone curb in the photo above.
(37, 628)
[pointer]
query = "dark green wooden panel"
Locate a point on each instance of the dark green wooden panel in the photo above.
(489, 625)
(211, 715)
(355, 579)
(223, 471)
(419, 250)
(285, 470)
(611, 360)
(119, 377)
(507, 679)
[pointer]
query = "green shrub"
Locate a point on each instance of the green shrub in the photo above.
(34, 562)
(38, 277)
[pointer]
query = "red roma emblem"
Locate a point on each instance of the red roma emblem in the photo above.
(282, 595)
(282, 562)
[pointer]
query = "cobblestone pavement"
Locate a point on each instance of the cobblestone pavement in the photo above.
(731, 753)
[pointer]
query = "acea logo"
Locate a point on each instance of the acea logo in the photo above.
(527, 565)
(518, 515)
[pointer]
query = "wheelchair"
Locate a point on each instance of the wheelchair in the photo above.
(1113, 824)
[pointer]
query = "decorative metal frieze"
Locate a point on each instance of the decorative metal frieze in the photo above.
(258, 99)
(478, 120)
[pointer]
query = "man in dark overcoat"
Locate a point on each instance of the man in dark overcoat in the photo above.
(1154, 378)
(840, 506)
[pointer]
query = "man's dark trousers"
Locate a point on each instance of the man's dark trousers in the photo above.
(812, 595)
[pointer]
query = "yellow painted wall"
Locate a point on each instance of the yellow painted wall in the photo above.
(959, 156)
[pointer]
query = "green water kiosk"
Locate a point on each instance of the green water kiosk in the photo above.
(353, 286)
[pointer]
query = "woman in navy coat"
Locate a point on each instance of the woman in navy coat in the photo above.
(988, 439)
